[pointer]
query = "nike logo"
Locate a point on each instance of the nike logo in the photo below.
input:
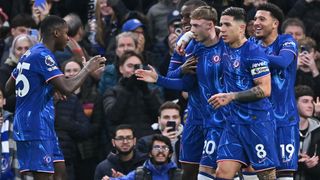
(188, 55)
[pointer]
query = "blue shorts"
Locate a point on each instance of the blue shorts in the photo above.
(191, 144)
(288, 147)
(250, 144)
(209, 152)
(38, 155)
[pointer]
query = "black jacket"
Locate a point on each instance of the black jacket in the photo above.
(72, 126)
(131, 102)
(113, 161)
(313, 148)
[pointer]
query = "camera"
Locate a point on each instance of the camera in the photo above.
(140, 66)
(177, 27)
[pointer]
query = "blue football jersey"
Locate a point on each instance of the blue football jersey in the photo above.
(210, 82)
(283, 79)
(34, 117)
(240, 67)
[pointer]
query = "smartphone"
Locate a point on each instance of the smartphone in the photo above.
(177, 28)
(171, 124)
(40, 3)
(141, 66)
(305, 49)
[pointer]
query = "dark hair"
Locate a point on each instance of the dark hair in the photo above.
(74, 24)
(292, 22)
(23, 20)
(205, 12)
(63, 65)
(303, 90)
(274, 10)
(123, 126)
(162, 138)
(238, 14)
(127, 54)
(196, 3)
(169, 105)
(50, 24)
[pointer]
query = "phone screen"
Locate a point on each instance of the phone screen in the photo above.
(172, 125)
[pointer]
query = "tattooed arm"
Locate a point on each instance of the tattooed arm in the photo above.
(261, 90)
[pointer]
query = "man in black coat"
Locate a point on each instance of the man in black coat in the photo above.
(125, 159)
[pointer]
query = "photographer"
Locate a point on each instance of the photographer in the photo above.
(131, 101)
(307, 71)
(169, 125)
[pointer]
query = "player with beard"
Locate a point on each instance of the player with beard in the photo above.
(159, 166)
(125, 159)
(282, 53)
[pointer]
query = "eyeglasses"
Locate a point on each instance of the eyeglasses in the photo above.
(160, 148)
(121, 138)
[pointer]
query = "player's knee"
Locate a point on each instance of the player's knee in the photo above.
(267, 175)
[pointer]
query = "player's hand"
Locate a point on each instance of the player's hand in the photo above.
(57, 96)
(116, 174)
(317, 107)
(95, 63)
(183, 42)
(220, 99)
(150, 76)
(190, 66)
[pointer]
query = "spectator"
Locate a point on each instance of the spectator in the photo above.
(136, 26)
(295, 27)
(125, 159)
(20, 24)
(131, 101)
(309, 167)
(169, 114)
(307, 72)
(19, 46)
(157, 18)
(158, 166)
(105, 25)
(126, 41)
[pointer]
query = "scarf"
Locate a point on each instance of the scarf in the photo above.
(6, 170)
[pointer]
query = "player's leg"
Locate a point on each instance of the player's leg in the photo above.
(36, 157)
(227, 169)
(190, 150)
(208, 161)
(230, 155)
(60, 172)
(288, 147)
(261, 147)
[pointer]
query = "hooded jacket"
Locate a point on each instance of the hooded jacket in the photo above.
(310, 145)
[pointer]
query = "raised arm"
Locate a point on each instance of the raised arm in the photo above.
(68, 85)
